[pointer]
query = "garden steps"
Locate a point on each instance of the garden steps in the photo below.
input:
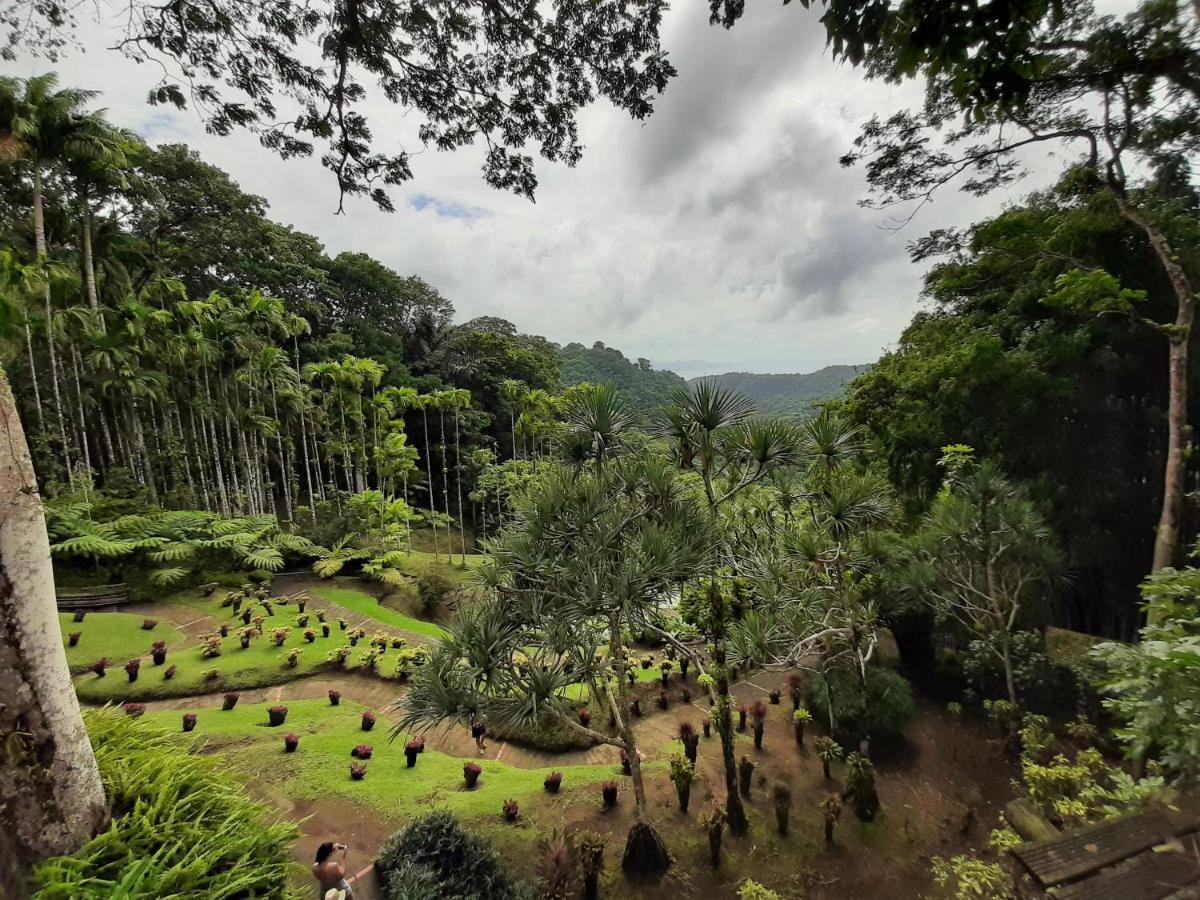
(1151, 876)
(1087, 850)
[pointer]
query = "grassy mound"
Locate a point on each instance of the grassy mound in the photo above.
(117, 636)
(181, 828)
(320, 768)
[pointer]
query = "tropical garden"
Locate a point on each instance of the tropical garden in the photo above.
(289, 554)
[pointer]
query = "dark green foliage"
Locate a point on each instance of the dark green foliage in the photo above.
(181, 827)
(881, 710)
(643, 387)
(462, 867)
(433, 590)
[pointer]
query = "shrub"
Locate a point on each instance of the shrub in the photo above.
(608, 793)
(781, 797)
(881, 710)
(134, 709)
(335, 697)
(663, 699)
(362, 751)
(229, 701)
(828, 751)
(132, 667)
(211, 674)
(775, 696)
(511, 810)
(553, 782)
(291, 659)
(860, 786)
(752, 890)
(149, 624)
(277, 715)
(338, 656)
(191, 828)
(189, 721)
(99, 666)
(433, 590)
(462, 866)
(558, 869)
(309, 635)
(682, 776)
(414, 748)
(169, 673)
(745, 775)
(210, 646)
(358, 771)
(290, 743)
(585, 717)
(301, 621)
(80, 614)
(73, 639)
(471, 773)
(279, 635)
(158, 652)
(368, 721)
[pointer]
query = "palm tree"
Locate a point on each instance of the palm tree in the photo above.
(597, 420)
(512, 394)
(459, 400)
(424, 402)
(43, 125)
(711, 430)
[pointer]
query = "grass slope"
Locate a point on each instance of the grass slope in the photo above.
(320, 769)
(366, 605)
(117, 636)
(259, 665)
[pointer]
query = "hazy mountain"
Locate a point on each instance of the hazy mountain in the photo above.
(792, 395)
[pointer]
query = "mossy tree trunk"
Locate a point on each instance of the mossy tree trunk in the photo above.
(53, 797)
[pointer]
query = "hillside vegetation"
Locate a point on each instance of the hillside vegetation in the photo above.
(789, 395)
(642, 386)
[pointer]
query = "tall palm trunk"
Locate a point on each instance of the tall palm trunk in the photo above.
(39, 229)
(33, 377)
(429, 481)
(462, 534)
(56, 803)
(312, 500)
(83, 429)
(445, 480)
(89, 268)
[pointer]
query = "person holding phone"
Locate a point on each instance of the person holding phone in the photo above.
(330, 873)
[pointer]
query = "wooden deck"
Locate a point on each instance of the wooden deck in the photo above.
(1089, 849)
(1152, 876)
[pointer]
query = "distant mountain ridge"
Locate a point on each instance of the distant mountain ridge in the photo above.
(791, 395)
(645, 388)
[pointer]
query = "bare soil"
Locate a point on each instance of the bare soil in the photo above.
(942, 788)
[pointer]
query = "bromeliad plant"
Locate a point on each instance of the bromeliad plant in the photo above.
(362, 751)
(131, 669)
(471, 773)
(412, 749)
(277, 715)
(158, 652)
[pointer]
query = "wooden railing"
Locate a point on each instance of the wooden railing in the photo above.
(100, 595)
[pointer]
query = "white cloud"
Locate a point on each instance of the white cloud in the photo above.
(721, 231)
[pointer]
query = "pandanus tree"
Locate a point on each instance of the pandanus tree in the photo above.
(712, 432)
(982, 556)
(591, 553)
(816, 579)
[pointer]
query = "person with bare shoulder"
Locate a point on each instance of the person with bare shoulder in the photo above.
(331, 874)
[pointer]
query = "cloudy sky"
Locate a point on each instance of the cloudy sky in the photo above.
(718, 235)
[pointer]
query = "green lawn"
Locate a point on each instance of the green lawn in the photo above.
(260, 665)
(366, 605)
(320, 769)
(117, 636)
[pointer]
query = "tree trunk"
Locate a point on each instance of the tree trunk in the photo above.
(39, 229)
(429, 482)
(1166, 539)
(37, 391)
(53, 797)
(89, 266)
(462, 534)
